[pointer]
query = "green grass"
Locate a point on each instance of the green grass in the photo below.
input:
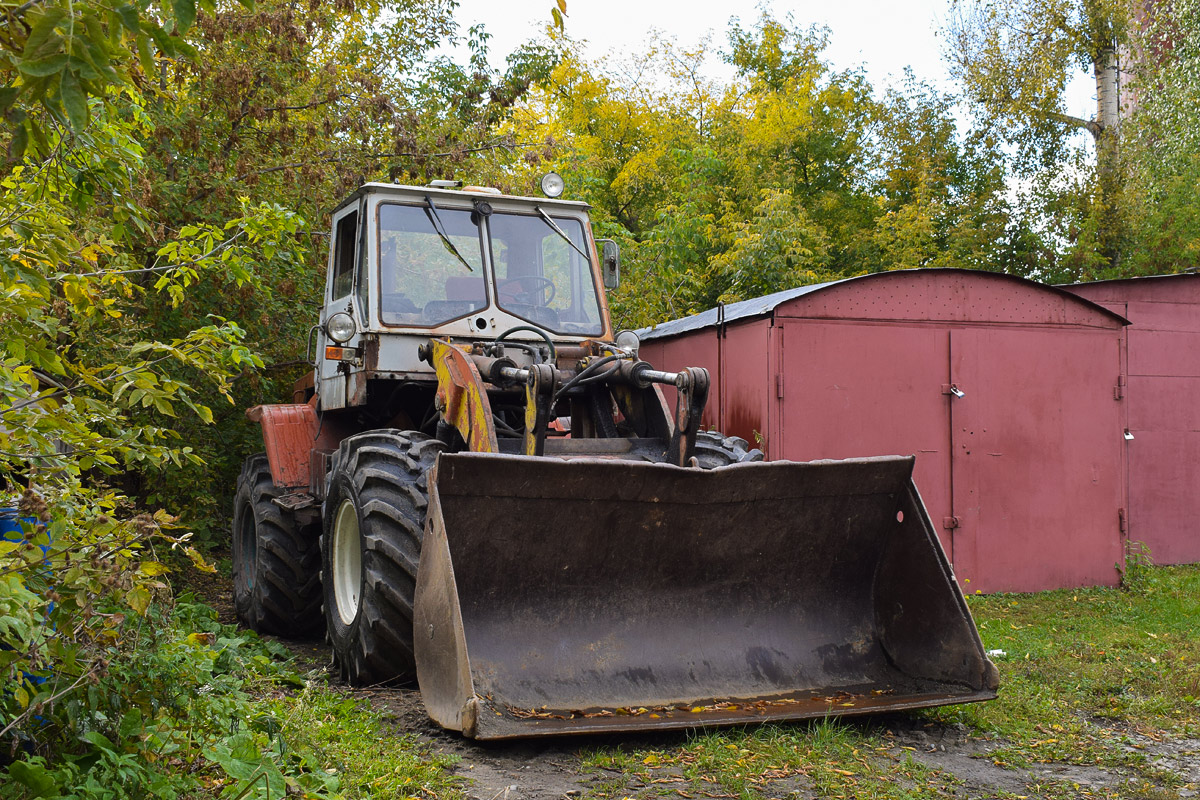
(342, 733)
(1088, 671)
(829, 758)
(1087, 674)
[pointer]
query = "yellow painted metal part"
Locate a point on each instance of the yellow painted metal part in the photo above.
(461, 398)
(531, 420)
(539, 398)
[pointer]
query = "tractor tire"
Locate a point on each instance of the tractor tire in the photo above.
(715, 450)
(370, 549)
(276, 561)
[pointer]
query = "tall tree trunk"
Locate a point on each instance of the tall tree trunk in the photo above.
(1106, 131)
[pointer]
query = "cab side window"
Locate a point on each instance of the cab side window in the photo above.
(343, 265)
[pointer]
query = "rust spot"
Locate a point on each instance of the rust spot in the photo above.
(743, 417)
(303, 389)
(370, 348)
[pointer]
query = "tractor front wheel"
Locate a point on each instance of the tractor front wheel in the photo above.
(276, 561)
(370, 550)
(716, 450)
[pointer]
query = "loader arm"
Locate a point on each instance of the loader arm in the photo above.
(600, 386)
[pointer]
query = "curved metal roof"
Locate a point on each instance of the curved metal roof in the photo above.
(1133, 279)
(766, 305)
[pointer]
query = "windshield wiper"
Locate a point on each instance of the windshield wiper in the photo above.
(441, 231)
(559, 231)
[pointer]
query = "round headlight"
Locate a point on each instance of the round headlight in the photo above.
(628, 341)
(340, 327)
(552, 184)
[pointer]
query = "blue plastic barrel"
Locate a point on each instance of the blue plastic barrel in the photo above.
(13, 528)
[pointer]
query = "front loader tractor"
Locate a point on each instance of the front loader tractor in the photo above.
(481, 486)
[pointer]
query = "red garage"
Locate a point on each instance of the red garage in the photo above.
(1162, 359)
(1006, 390)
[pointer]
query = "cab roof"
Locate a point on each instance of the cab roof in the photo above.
(401, 190)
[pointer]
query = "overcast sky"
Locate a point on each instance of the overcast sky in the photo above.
(883, 37)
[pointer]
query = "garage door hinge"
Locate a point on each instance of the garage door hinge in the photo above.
(949, 523)
(1123, 520)
(779, 386)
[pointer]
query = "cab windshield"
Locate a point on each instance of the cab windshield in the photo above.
(543, 278)
(432, 270)
(429, 273)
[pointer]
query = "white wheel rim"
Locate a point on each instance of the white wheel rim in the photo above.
(347, 562)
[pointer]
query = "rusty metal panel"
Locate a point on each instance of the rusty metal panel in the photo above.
(700, 349)
(916, 295)
(745, 385)
(863, 367)
(288, 433)
(1036, 461)
(1164, 315)
(1164, 455)
(1165, 353)
(1167, 404)
(1164, 473)
(854, 390)
(774, 444)
(1184, 288)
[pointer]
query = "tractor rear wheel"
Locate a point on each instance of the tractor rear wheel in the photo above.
(370, 550)
(276, 561)
(715, 450)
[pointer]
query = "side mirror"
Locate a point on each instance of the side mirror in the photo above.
(610, 263)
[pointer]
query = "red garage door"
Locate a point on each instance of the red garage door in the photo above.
(1038, 425)
(1020, 473)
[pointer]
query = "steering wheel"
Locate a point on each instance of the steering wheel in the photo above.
(538, 291)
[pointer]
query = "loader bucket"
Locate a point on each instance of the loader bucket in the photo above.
(584, 596)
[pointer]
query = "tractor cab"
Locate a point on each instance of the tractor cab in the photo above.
(409, 263)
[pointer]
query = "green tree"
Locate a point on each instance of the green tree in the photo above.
(59, 53)
(808, 130)
(88, 393)
(942, 193)
(295, 103)
(1015, 61)
(778, 247)
(1162, 142)
(791, 173)
(125, 227)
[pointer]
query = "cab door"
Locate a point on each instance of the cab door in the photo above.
(347, 254)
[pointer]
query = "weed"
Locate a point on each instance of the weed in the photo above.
(1137, 576)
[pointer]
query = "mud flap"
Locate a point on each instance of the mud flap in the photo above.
(585, 596)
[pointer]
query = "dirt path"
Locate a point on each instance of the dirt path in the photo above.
(553, 769)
